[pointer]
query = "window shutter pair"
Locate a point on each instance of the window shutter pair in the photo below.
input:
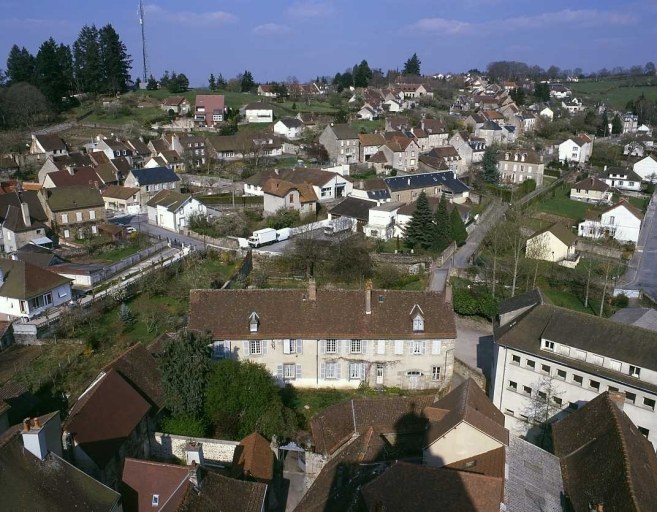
(322, 370)
(279, 372)
(399, 347)
(436, 346)
(247, 349)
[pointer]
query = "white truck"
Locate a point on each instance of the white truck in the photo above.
(262, 237)
(338, 225)
(283, 234)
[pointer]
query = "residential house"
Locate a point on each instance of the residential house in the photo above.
(436, 131)
(279, 194)
(341, 142)
(192, 148)
(556, 244)
(621, 221)
(68, 161)
(397, 124)
(356, 210)
(421, 138)
(605, 457)
(572, 105)
(622, 179)
(520, 165)
(172, 160)
(289, 127)
(369, 144)
(646, 168)
(406, 189)
(113, 148)
(576, 149)
(559, 91)
(258, 112)
(591, 190)
(123, 200)
(172, 210)
(528, 122)
(367, 113)
(327, 185)
(547, 113)
(451, 157)
(385, 337)
(267, 91)
(23, 219)
(381, 222)
(48, 145)
(634, 148)
(630, 122)
(234, 147)
(178, 104)
(209, 110)
(140, 151)
(150, 181)
(491, 132)
(109, 422)
(580, 355)
(41, 478)
(401, 153)
(72, 177)
(470, 149)
(74, 212)
(474, 121)
(27, 290)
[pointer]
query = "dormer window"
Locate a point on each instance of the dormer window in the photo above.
(254, 322)
(418, 323)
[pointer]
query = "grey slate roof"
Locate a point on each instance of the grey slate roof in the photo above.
(344, 132)
(354, 208)
(429, 179)
(27, 196)
(534, 483)
(639, 317)
(154, 176)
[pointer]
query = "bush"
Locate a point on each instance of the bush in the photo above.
(620, 301)
(185, 426)
(470, 302)
(284, 218)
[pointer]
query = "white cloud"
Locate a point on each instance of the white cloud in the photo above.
(191, 18)
(310, 9)
(580, 18)
(270, 29)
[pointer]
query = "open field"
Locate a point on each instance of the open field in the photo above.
(562, 205)
(616, 92)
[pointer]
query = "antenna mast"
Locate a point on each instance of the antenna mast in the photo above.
(143, 39)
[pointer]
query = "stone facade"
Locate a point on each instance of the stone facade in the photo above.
(169, 446)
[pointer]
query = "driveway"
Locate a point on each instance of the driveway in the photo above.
(140, 223)
(474, 343)
(641, 272)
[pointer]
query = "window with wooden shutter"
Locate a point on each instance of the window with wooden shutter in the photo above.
(435, 347)
(399, 347)
(299, 346)
(381, 347)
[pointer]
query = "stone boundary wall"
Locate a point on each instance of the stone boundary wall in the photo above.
(169, 446)
(468, 371)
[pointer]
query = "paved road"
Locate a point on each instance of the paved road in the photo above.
(474, 343)
(641, 273)
(140, 223)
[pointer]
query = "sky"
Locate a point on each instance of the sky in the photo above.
(278, 39)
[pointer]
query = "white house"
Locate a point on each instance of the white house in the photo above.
(333, 338)
(284, 194)
(621, 221)
(289, 127)
(646, 168)
(573, 356)
(634, 148)
(547, 113)
(622, 179)
(27, 290)
(576, 149)
(382, 220)
(556, 244)
(172, 210)
(326, 185)
(258, 112)
(591, 190)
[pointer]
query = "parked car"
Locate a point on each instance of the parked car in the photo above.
(130, 230)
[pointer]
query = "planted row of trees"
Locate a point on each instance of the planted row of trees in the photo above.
(434, 231)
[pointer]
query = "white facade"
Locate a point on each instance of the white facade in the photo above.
(617, 222)
(290, 132)
(382, 220)
(178, 219)
(573, 151)
(517, 377)
(259, 115)
(646, 168)
(17, 308)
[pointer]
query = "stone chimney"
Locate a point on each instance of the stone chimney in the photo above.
(618, 397)
(194, 453)
(368, 297)
(25, 211)
(312, 290)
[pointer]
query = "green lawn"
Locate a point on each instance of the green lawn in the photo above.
(364, 126)
(562, 205)
(616, 92)
(567, 300)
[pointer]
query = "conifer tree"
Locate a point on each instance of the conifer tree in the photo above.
(419, 231)
(459, 233)
(442, 227)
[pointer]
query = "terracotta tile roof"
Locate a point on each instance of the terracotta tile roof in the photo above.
(490, 463)
(470, 404)
(107, 172)
(280, 188)
(378, 158)
(122, 164)
(630, 208)
(444, 152)
(173, 101)
(99, 157)
(138, 147)
(222, 494)
(591, 184)
(142, 479)
(371, 139)
(75, 159)
(139, 369)
(406, 486)
(81, 177)
(159, 145)
(289, 314)
(254, 458)
(104, 417)
(605, 459)
(336, 424)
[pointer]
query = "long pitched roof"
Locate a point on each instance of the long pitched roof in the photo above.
(31, 198)
(141, 479)
(81, 177)
(353, 207)
(280, 188)
(218, 493)
(605, 459)
(344, 132)
(154, 175)
(290, 314)
(560, 231)
(51, 142)
(172, 200)
(406, 486)
(591, 183)
(73, 198)
(428, 179)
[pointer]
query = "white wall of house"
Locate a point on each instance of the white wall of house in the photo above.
(281, 128)
(381, 224)
(461, 442)
(29, 308)
(175, 221)
(515, 403)
(572, 152)
(548, 247)
(259, 115)
(313, 363)
(591, 196)
(619, 223)
(646, 168)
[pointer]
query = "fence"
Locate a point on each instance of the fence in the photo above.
(110, 270)
(226, 242)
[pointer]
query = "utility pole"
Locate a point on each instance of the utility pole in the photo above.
(143, 40)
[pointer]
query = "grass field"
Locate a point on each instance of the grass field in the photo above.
(562, 205)
(616, 92)
(568, 300)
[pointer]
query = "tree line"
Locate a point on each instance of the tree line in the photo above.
(514, 70)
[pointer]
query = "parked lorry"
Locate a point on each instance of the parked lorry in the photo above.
(262, 237)
(283, 234)
(339, 225)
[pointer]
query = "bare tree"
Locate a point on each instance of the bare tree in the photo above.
(538, 248)
(516, 239)
(544, 404)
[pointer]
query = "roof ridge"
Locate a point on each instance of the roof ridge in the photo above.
(616, 421)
